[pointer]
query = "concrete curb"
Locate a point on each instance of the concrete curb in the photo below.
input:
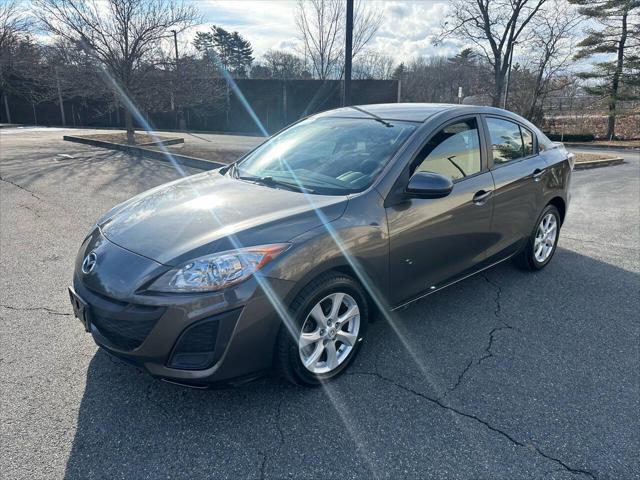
(598, 163)
(162, 130)
(193, 162)
(169, 141)
(598, 147)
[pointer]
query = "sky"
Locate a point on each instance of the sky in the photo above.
(271, 24)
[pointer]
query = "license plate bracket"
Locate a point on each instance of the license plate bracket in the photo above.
(81, 309)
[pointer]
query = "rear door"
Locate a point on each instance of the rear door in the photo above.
(434, 240)
(518, 173)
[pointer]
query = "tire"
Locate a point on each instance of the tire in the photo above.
(531, 257)
(291, 348)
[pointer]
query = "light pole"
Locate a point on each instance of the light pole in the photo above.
(177, 81)
(506, 87)
(284, 90)
(348, 51)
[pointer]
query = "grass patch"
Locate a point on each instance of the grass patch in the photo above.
(590, 157)
(612, 143)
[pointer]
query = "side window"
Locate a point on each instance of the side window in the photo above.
(544, 143)
(527, 140)
(506, 141)
(454, 151)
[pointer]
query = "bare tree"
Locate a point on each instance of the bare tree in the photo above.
(14, 22)
(121, 35)
(553, 39)
(373, 65)
(283, 65)
(77, 76)
(366, 23)
(495, 26)
(321, 24)
(31, 76)
(15, 25)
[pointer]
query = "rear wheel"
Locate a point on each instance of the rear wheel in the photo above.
(543, 241)
(329, 321)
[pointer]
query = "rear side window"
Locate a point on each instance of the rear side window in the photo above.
(506, 140)
(454, 151)
(544, 143)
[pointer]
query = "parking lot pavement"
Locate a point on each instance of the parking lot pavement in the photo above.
(506, 375)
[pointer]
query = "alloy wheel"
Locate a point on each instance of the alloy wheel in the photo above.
(546, 235)
(329, 333)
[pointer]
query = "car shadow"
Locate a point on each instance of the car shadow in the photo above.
(132, 426)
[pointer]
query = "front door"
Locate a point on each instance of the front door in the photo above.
(433, 241)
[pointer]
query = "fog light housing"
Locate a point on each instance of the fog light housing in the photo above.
(199, 346)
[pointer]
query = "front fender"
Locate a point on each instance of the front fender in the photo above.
(357, 243)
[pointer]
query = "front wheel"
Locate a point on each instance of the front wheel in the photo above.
(543, 241)
(329, 319)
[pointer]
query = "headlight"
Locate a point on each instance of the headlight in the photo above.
(219, 270)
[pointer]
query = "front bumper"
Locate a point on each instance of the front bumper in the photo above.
(192, 339)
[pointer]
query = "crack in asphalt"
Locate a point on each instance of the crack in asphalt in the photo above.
(31, 309)
(266, 456)
(497, 313)
(498, 288)
(438, 402)
(488, 353)
(263, 465)
(20, 187)
(460, 377)
(31, 209)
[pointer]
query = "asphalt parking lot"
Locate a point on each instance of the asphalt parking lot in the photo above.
(507, 375)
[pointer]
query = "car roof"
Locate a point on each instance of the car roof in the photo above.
(412, 112)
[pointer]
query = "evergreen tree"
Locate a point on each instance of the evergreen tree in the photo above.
(230, 49)
(241, 54)
(465, 58)
(618, 35)
(400, 72)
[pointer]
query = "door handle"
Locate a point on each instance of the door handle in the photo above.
(481, 197)
(538, 173)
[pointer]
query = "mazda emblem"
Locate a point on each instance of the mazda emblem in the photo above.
(89, 263)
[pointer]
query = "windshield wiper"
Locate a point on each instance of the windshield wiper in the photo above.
(272, 182)
(373, 115)
(232, 170)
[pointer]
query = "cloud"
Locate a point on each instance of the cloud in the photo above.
(408, 27)
(266, 24)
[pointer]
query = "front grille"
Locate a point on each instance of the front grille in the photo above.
(125, 327)
(126, 334)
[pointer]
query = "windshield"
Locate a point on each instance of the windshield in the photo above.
(330, 156)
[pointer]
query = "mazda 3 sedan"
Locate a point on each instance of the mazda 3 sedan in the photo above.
(280, 260)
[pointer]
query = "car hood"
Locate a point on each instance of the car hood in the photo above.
(208, 213)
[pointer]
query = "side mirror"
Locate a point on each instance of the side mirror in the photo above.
(429, 185)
